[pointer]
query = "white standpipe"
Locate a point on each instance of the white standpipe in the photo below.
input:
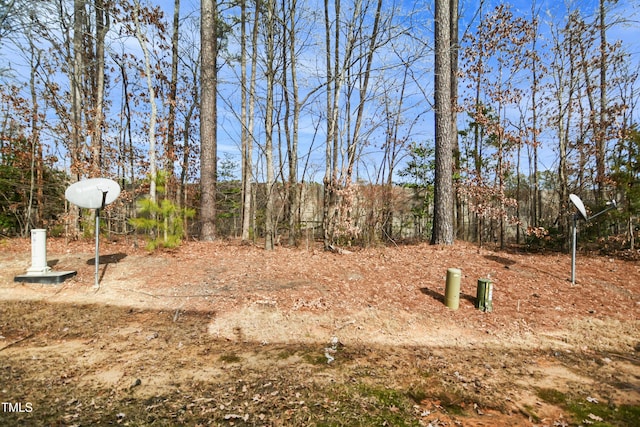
(38, 252)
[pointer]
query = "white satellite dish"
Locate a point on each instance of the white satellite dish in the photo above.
(93, 193)
(583, 213)
(579, 205)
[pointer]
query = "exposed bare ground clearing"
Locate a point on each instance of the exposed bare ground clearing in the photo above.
(221, 333)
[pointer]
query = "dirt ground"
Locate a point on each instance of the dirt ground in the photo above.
(228, 334)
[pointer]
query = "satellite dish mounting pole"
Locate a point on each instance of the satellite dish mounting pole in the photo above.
(97, 231)
(97, 258)
(582, 213)
(573, 249)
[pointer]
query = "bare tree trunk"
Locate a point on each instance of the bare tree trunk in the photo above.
(36, 170)
(76, 109)
(244, 134)
(478, 138)
(153, 165)
(601, 136)
(593, 121)
(292, 147)
(208, 119)
(453, 30)
(564, 126)
(501, 166)
(536, 199)
(290, 190)
(443, 233)
(182, 195)
(351, 149)
(170, 155)
(102, 26)
(268, 124)
(393, 148)
(328, 183)
(248, 220)
(76, 86)
(338, 71)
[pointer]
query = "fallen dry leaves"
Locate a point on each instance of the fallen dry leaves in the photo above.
(386, 297)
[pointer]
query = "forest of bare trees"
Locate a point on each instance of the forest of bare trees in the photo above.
(354, 122)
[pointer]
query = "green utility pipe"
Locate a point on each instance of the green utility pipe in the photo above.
(452, 288)
(484, 295)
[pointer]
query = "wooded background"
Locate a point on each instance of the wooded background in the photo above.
(358, 122)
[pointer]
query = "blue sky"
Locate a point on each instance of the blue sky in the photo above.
(624, 10)
(421, 95)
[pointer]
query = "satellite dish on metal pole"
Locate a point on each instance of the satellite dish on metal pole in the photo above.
(577, 202)
(93, 193)
(582, 213)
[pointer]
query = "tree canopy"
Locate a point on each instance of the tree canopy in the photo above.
(542, 103)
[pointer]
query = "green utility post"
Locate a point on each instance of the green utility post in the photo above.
(484, 295)
(452, 288)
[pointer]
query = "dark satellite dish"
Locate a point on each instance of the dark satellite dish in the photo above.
(579, 205)
(93, 193)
